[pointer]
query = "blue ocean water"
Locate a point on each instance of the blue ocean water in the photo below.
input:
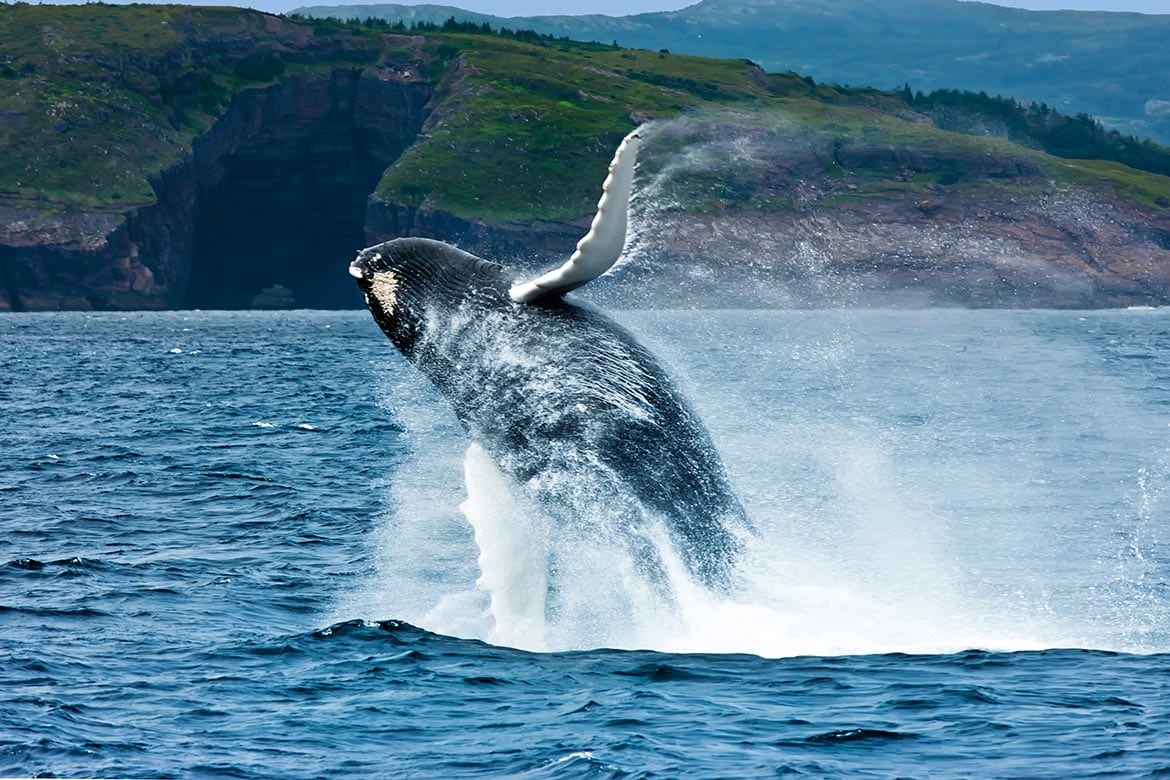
(248, 544)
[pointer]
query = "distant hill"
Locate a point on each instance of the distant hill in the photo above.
(1111, 65)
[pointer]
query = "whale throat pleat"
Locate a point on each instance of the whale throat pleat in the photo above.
(433, 270)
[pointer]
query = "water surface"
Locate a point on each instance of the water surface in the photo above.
(232, 544)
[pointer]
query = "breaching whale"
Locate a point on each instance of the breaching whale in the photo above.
(581, 417)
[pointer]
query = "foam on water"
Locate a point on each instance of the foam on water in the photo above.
(788, 602)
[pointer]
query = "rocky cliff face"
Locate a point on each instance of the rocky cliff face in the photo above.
(278, 194)
(1070, 249)
(1057, 250)
(852, 224)
(283, 182)
(275, 193)
(84, 260)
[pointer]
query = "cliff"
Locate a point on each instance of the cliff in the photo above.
(222, 186)
(165, 156)
(827, 222)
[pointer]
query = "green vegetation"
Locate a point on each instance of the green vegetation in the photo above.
(476, 180)
(1109, 65)
(531, 128)
(1078, 137)
(96, 100)
(797, 153)
(1141, 187)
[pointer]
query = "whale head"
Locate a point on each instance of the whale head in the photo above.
(405, 280)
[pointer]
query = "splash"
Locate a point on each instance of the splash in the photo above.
(707, 216)
(552, 588)
(877, 530)
(513, 542)
(895, 511)
(887, 582)
(790, 601)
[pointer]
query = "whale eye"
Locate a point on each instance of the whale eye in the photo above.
(384, 288)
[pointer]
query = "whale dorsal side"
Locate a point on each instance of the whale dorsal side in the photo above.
(602, 245)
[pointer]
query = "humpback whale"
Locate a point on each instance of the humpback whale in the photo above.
(582, 418)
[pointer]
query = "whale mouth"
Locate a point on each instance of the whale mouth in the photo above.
(368, 264)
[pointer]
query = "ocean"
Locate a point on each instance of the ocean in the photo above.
(248, 544)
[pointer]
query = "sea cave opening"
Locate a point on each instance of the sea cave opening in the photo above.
(283, 190)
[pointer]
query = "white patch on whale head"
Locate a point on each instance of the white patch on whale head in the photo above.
(384, 288)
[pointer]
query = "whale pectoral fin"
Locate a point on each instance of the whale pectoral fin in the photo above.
(602, 245)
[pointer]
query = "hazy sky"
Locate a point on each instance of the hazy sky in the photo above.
(1140, 6)
(624, 7)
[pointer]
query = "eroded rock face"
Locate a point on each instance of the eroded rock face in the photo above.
(92, 260)
(274, 194)
(1005, 236)
(1069, 248)
(284, 183)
